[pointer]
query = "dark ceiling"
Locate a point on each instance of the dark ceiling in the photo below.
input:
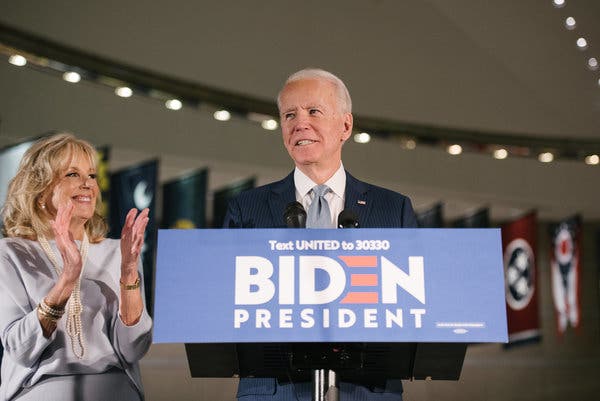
(505, 67)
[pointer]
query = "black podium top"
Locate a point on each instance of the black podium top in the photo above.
(354, 362)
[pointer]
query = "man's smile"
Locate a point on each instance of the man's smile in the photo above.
(303, 142)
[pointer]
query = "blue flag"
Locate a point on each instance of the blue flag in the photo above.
(224, 195)
(135, 187)
(184, 201)
(432, 217)
(479, 219)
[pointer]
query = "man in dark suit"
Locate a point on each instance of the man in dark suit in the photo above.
(316, 119)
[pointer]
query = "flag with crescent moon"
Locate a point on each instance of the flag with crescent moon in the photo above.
(135, 187)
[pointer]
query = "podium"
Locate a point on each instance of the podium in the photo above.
(354, 362)
(370, 304)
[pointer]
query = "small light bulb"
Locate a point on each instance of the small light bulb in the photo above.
(18, 60)
(269, 124)
(173, 104)
(500, 154)
(454, 149)
(592, 63)
(582, 43)
(592, 160)
(222, 115)
(570, 23)
(72, 77)
(123, 91)
(362, 137)
(410, 144)
(558, 3)
(546, 157)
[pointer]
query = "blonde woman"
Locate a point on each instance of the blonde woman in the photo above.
(72, 317)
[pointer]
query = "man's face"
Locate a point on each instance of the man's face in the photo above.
(314, 129)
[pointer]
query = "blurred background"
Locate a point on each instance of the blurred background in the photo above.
(485, 113)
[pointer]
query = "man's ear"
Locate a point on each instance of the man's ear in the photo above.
(347, 130)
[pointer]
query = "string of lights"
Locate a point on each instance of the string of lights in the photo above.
(23, 49)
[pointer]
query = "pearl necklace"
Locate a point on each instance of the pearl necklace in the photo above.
(74, 306)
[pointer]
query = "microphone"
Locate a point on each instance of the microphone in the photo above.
(347, 219)
(295, 215)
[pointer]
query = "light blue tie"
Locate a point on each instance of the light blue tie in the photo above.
(318, 212)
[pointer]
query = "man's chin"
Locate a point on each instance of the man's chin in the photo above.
(303, 156)
(304, 162)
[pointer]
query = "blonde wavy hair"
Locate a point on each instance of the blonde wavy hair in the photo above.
(41, 167)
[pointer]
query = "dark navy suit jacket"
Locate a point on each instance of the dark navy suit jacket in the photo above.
(263, 207)
(375, 207)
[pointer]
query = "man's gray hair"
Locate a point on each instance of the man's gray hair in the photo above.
(344, 100)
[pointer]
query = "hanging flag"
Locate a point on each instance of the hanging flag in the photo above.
(103, 178)
(224, 195)
(521, 277)
(184, 201)
(565, 265)
(479, 219)
(598, 261)
(135, 187)
(432, 217)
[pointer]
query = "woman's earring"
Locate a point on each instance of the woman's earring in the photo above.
(43, 205)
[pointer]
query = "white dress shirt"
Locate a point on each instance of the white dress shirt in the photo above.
(335, 197)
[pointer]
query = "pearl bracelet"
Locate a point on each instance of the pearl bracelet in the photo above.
(50, 312)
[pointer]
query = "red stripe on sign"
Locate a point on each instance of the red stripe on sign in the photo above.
(369, 280)
(361, 298)
(360, 261)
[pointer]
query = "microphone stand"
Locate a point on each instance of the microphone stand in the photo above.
(325, 382)
(325, 385)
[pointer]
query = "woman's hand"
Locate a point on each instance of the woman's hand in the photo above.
(66, 245)
(72, 265)
(132, 240)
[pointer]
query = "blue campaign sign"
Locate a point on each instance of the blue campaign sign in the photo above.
(303, 285)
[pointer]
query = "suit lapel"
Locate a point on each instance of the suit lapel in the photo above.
(356, 198)
(282, 193)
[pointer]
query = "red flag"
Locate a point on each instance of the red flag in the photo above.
(565, 260)
(520, 272)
